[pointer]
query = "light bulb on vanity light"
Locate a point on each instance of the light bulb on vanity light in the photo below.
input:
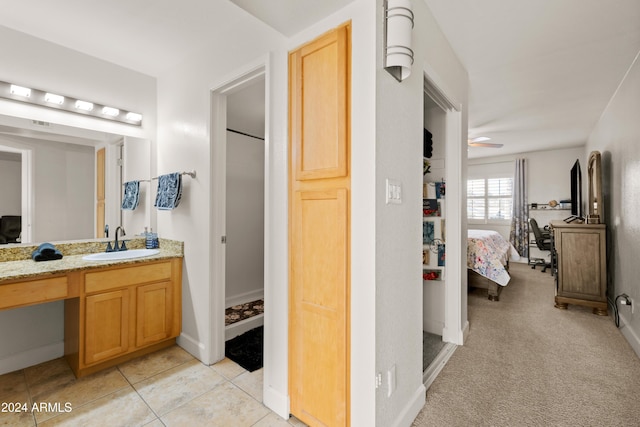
(20, 91)
(84, 105)
(110, 111)
(53, 98)
(135, 117)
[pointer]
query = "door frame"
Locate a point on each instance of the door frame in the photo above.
(26, 190)
(217, 207)
(454, 330)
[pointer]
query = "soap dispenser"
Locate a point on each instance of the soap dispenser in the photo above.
(148, 239)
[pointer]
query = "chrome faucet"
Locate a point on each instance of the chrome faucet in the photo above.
(117, 248)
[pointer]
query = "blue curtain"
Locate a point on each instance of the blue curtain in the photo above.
(519, 235)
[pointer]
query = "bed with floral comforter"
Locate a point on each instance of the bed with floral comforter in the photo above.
(487, 257)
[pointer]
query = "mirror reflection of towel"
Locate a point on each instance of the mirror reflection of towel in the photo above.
(169, 191)
(131, 195)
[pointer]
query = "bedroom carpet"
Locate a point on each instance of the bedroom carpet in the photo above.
(526, 363)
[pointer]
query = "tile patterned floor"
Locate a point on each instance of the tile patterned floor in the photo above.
(166, 388)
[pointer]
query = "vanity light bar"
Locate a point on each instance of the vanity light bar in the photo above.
(41, 98)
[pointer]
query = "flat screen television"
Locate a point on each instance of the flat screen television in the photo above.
(576, 190)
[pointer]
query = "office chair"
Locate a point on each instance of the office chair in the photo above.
(543, 242)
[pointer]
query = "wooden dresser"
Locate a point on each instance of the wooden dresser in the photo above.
(580, 265)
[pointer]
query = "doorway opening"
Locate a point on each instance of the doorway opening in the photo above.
(238, 220)
(16, 195)
(441, 225)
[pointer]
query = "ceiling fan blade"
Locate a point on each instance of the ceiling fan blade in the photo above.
(485, 145)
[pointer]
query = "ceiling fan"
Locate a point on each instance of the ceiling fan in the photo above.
(481, 142)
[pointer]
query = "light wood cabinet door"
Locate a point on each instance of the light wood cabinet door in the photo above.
(106, 325)
(319, 218)
(154, 311)
(580, 268)
(581, 251)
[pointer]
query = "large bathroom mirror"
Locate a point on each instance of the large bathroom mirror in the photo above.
(596, 205)
(50, 180)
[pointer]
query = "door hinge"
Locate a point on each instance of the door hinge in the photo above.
(224, 239)
(378, 379)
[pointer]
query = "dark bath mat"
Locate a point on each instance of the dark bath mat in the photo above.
(246, 349)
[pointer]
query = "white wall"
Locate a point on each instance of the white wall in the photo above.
(399, 124)
(74, 74)
(11, 187)
(616, 136)
(245, 219)
(183, 142)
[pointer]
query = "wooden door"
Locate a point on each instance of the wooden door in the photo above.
(319, 218)
(153, 313)
(106, 325)
(100, 192)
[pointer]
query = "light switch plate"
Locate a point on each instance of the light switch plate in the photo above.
(394, 192)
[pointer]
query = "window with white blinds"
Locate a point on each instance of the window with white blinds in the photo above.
(489, 200)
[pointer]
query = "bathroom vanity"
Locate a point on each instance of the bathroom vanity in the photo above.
(113, 311)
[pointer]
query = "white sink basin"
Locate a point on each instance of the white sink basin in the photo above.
(128, 254)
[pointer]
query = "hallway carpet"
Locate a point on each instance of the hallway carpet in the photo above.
(526, 363)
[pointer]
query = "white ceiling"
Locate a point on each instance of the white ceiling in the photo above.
(290, 17)
(144, 35)
(541, 71)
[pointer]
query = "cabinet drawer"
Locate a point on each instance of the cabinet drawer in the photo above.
(33, 292)
(100, 281)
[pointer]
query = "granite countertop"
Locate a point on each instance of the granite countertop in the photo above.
(16, 262)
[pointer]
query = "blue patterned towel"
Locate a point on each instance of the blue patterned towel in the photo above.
(131, 195)
(169, 191)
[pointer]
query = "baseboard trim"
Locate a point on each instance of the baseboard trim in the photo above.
(630, 335)
(438, 364)
(276, 401)
(31, 357)
(239, 328)
(192, 346)
(230, 301)
(412, 409)
(465, 332)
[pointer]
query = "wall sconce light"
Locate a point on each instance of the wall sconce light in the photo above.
(398, 56)
(64, 103)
